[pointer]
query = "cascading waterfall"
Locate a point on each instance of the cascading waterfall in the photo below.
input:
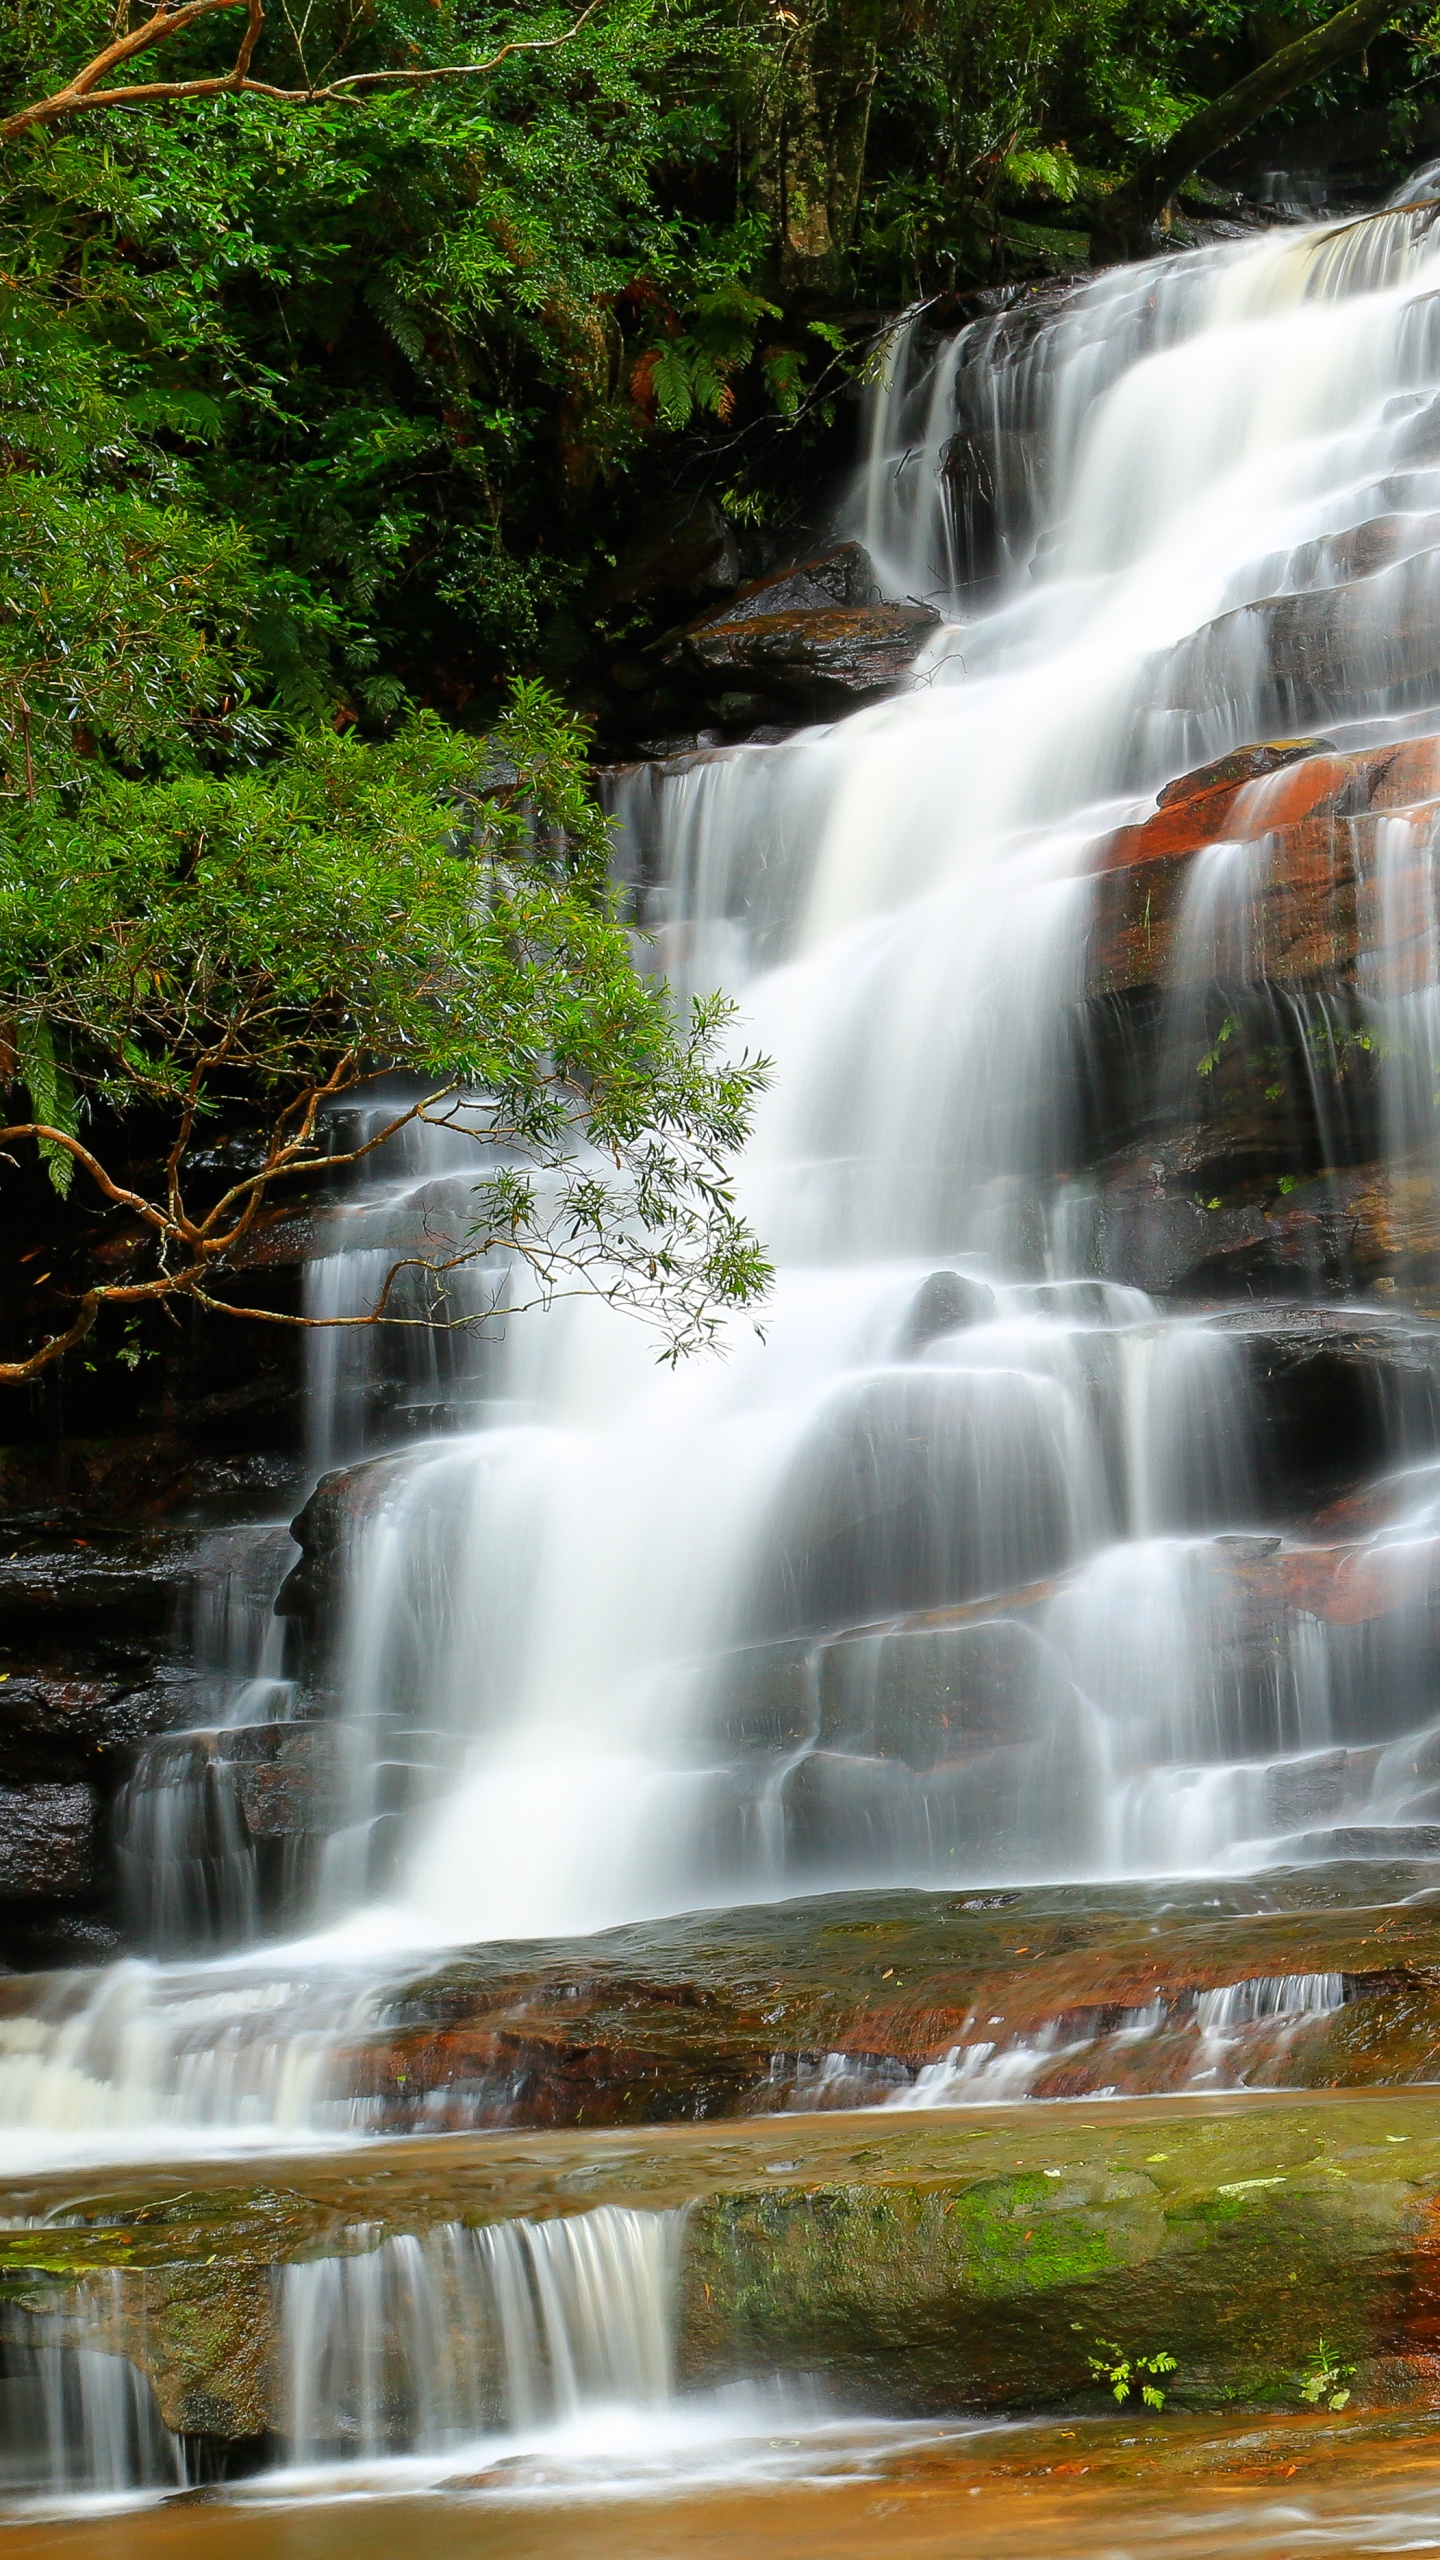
(420, 2344)
(969, 1568)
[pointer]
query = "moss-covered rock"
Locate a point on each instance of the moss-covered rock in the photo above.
(960, 2258)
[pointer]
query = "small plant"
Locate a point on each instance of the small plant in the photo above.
(1122, 2373)
(1325, 2380)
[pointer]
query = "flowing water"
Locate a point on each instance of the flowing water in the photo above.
(933, 1580)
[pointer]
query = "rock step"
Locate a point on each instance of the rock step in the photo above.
(966, 2260)
(846, 1999)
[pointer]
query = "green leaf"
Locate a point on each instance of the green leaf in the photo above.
(52, 1097)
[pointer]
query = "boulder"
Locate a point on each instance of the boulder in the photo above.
(944, 1303)
(1242, 765)
(47, 1842)
(845, 576)
(826, 654)
(324, 1530)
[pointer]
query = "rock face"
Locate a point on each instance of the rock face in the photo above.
(94, 1632)
(47, 1842)
(1228, 1142)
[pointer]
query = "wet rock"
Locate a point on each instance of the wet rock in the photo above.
(1301, 912)
(943, 1304)
(844, 576)
(906, 1495)
(131, 1584)
(51, 1721)
(920, 1693)
(1336, 1391)
(47, 1841)
(284, 1778)
(1084, 1988)
(909, 2264)
(834, 653)
(1372, 1840)
(1344, 1226)
(324, 1530)
(1321, 651)
(1243, 764)
(991, 481)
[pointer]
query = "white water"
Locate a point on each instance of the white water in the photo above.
(420, 2344)
(636, 1641)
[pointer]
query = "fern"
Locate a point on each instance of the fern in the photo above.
(52, 1099)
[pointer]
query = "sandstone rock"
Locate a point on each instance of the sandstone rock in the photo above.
(834, 653)
(1301, 908)
(965, 2261)
(47, 1841)
(1243, 764)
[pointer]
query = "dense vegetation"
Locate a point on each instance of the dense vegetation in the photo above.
(330, 408)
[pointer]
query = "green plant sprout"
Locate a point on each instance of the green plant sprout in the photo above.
(1120, 2372)
(1324, 2379)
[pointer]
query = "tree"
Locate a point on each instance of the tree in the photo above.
(180, 956)
(1123, 221)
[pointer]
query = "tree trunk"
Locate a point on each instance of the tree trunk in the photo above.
(1124, 221)
(809, 135)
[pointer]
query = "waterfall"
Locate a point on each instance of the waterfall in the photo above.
(417, 2345)
(80, 2421)
(1006, 1549)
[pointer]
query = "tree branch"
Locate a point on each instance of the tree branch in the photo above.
(1124, 219)
(84, 92)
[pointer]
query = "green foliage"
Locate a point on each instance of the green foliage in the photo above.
(1326, 2380)
(288, 930)
(52, 1096)
(344, 376)
(1120, 2372)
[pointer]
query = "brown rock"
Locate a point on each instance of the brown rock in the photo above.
(843, 576)
(846, 652)
(1307, 902)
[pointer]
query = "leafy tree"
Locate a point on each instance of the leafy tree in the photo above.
(277, 936)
